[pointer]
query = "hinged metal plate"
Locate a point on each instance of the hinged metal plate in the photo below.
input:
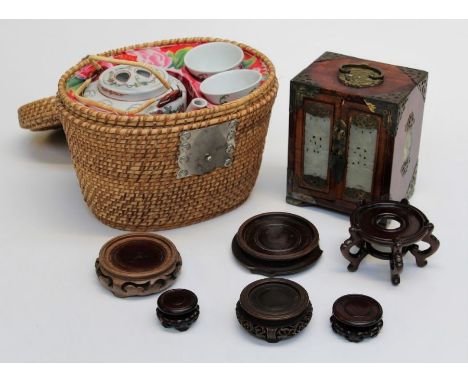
(204, 150)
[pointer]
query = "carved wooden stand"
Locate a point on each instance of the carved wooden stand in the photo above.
(356, 317)
(274, 309)
(276, 243)
(178, 309)
(138, 264)
(366, 234)
(273, 333)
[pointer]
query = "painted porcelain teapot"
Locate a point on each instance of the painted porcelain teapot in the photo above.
(134, 88)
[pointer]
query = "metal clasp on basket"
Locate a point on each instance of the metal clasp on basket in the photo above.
(206, 149)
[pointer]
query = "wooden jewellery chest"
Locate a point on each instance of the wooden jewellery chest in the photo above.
(354, 132)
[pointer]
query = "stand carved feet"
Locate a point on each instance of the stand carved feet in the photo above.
(353, 258)
(396, 262)
(434, 245)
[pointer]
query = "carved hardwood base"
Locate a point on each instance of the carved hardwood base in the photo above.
(270, 333)
(123, 288)
(353, 334)
(178, 309)
(356, 317)
(138, 264)
(370, 236)
(180, 323)
(276, 243)
(274, 309)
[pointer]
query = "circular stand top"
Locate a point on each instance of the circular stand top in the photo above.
(138, 256)
(177, 302)
(277, 236)
(357, 310)
(274, 300)
(373, 222)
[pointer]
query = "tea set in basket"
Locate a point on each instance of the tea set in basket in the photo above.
(161, 134)
(172, 133)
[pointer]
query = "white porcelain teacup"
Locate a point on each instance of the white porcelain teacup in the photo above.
(211, 58)
(231, 85)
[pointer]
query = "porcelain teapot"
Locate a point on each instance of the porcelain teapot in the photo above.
(134, 88)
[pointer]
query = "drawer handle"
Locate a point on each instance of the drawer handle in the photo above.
(360, 75)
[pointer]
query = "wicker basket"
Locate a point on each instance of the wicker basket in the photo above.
(127, 166)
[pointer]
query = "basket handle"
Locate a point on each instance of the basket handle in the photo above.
(40, 115)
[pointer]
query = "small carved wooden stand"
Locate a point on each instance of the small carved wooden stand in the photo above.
(138, 264)
(274, 309)
(356, 317)
(371, 235)
(178, 309)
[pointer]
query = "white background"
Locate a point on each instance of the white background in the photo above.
(54, 309)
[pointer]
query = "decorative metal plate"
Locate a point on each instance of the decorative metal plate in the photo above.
(204, 150)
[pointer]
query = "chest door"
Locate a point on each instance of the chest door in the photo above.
(363, 155)
(314, 141)
(340, 150)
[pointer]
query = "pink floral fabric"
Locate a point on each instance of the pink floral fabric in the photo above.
(152, 55)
